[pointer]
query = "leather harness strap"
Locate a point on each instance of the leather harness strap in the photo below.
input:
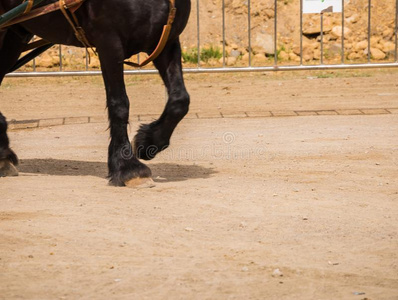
(29, 6)
(63, 5)
(79, 32)
(163, 39)
(72, 6)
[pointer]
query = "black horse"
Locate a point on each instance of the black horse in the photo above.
(117, 29)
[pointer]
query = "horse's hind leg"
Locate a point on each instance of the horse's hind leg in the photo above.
(155, 137)
(124, 167)
(11, 44)
(8, 159)
(12, 41)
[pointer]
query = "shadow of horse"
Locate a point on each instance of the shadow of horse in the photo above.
(165, 172)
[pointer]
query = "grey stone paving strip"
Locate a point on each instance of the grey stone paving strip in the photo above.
(393, 110)
(41, 123)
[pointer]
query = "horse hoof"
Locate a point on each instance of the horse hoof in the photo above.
(7, 168)
(146, 145)
(140, 183)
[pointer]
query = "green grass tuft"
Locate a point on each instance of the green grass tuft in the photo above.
(206, 54)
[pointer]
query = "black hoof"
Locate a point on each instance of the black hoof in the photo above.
(128, 171)
(140, 183)
(7, 168)
(147, 144)
(8, 154)
(8, 161)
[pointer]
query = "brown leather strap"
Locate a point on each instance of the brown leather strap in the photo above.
(72, 5)
(163, 39)
(63, 5)
(79, 32)
(29, 6)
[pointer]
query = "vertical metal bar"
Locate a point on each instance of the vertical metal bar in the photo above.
(34, 59)
(301, 32)
(342, 32)
(198, 30)
(396, 31)
(250, 32)
(223, 33)
(321, 38)
(87, 55)
(369, 26)
(276, 33)
(60, 57)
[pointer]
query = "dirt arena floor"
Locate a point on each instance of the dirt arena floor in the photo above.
(276, 186)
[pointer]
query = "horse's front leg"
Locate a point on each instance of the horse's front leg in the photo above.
(155, 137)
(11, 44)
(124, 167)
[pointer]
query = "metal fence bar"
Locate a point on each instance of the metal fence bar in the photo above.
(301, 32)
(198, 30)
(216, 70)
(321, 62)
(249, 31)
(60, 57)
(396, 31)
(276, 34)
(342, 32)
(223, 33)
(86, 62)
(369, 27)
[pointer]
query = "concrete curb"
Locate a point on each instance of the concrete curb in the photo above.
(42, 123)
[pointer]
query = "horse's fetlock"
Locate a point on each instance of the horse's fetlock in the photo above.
(119, 115)
(3, 124)
(180, 107)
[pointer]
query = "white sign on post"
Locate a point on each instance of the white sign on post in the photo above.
(317, 6)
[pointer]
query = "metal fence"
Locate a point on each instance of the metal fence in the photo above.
(275, 64)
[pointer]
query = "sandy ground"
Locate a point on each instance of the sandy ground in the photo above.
(38, 98)
(300, 207)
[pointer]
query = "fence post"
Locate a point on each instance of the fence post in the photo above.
(369, 27)
(276, 34)
(198, 30)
